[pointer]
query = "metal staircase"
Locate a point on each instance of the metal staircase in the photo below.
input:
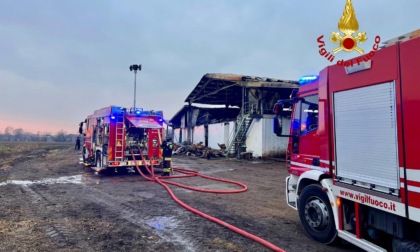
(238, 136)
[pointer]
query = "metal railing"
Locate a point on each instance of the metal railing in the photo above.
(241, 126)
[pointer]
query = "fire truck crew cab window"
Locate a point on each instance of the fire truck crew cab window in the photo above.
(306, 115)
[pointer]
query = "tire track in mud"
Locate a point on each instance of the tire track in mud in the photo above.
(60, 232)
(193, 232)
(164, 227)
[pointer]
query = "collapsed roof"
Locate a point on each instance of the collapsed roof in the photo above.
(203, 116)
(226, 89)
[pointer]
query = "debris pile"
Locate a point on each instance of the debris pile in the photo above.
(199, 150)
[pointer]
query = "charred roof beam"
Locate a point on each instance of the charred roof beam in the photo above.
(212, 93)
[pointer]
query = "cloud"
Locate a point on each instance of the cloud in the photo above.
(65, 59)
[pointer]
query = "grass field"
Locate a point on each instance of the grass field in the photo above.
(11, 152)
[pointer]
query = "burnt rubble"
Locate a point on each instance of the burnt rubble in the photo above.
(199, 150)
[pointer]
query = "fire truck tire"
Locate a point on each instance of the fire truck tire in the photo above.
(405, 246)
(316, 214)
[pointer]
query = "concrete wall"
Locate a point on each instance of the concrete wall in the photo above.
(216, 134)
(260, 137)
(198, 134)
(253, 138)
(262, 141)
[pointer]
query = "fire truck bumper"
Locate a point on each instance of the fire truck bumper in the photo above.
(116, 164)
(291, 190)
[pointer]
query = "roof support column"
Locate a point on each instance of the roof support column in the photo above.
(206, 135)
(243, 99)
(189, 126)
(226, 133)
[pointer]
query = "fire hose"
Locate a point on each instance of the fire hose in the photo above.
(190, 173)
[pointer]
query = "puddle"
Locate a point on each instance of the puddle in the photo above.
(76, 179)
(162, 223)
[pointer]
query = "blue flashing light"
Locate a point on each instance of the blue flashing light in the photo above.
(307, 79)
(138, 112)
(160, 120)
(112, 117)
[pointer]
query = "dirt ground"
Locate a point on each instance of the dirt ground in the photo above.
(49, 202)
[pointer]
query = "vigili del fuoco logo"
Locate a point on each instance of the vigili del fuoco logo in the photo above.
(346, 40)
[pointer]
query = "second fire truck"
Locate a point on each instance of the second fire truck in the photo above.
(112, 133)
(353, 152)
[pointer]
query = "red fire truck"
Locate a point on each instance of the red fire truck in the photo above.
(111, 133)
(353, 153)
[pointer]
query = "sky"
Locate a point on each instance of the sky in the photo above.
(61, 60)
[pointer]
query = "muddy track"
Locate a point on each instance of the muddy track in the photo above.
(164, 228)
(60, 230)
(51, 203)
(170, 223)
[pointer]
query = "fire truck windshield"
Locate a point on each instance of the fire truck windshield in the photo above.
(305, 117)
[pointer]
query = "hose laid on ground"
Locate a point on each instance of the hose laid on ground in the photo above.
(190, 173)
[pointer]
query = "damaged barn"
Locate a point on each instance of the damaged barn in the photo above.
(207, 139)
(236, 112)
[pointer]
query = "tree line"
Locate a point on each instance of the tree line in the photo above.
(11, 134)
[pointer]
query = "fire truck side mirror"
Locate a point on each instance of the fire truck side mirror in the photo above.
(283, 111)
(82, 129)
(283, 108)
(277, 125)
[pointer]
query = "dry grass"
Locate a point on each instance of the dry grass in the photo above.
(221, 243)
(9, 148)
(13, 151)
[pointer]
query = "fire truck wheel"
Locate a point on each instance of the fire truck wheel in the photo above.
(316, 215)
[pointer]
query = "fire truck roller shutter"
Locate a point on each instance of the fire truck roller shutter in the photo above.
(366, 136)
(144, 122)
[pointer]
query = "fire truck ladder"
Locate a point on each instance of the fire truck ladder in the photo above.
(119, 138)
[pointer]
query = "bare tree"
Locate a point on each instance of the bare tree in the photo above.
(8, 132)
(61, 136)
(18, 134)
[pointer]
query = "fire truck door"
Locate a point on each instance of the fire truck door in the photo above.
(305, 141)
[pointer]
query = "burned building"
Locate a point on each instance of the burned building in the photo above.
(235, 110)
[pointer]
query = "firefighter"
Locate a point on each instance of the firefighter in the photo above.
(77, 146)
(167, 147)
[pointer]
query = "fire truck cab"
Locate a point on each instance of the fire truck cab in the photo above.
(112, 133)
(353, 147)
